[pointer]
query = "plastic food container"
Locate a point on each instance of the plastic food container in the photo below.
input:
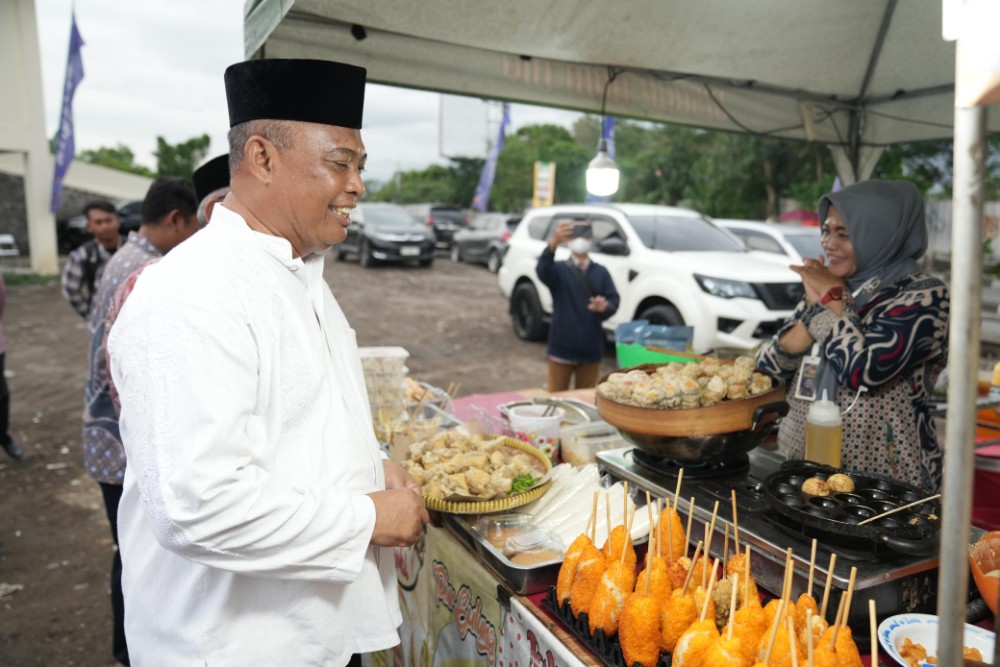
(498, 528)
(533, 547)
(579, 443)
(384, 360)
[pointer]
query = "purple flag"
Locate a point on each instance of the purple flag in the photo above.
(65, 146)
(608, 134)
(482, 196)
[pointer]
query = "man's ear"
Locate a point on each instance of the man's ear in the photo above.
(258, 158)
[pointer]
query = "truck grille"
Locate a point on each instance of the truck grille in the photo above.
(779, 296)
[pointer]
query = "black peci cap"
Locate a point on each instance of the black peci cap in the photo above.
(313, 91)
(211, 176)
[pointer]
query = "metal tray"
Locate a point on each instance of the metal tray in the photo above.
(576, 411)
(520, 579)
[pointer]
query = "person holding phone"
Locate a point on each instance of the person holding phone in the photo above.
(583, 296)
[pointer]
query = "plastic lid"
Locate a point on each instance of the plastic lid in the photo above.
(824, 411)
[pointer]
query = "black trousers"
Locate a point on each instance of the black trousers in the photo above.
(4, 402)
(112, 494)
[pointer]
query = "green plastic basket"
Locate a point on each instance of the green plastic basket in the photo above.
(631, 354)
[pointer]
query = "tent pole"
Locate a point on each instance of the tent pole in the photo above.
(963, 361)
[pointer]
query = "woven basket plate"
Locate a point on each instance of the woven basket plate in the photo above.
(499, 504)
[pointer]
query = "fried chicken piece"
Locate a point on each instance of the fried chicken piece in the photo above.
(674, 550)
(692, 646)
(726, 653)
(639, 630)
(605, 609)
(660, 586)
(677, 573)
(749, 624)
(617, 541)
(567, 571)
(675, 618)
(805, 603)
(589, 571)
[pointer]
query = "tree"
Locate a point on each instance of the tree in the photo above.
(180, 159)
(120, 157)
(513, 186)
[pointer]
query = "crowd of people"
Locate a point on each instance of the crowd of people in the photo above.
(225, 415)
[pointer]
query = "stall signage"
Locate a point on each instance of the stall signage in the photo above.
(468, 614)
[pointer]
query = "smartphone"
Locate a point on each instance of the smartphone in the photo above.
(582, 229)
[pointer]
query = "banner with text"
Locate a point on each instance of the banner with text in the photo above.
(545, 184)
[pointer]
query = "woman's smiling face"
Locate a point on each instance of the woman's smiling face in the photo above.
(837, 245)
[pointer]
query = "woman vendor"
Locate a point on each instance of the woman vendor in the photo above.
(871, 330)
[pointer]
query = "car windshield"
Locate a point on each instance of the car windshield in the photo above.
(682, 234)
(807, 245)
(388, 217)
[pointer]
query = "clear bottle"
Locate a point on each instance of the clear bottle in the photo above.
(824, 432)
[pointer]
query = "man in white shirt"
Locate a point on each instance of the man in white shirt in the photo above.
(256, 502)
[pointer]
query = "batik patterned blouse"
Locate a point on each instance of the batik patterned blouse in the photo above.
(895, 345)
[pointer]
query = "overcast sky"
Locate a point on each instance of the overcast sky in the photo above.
(154, 68)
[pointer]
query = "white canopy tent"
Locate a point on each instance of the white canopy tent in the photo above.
(856, 75)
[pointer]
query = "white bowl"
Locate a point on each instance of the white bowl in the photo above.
(923, 629)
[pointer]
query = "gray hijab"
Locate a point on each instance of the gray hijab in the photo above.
(888, 230)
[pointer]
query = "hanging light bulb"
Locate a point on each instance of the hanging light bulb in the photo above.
(602, 172)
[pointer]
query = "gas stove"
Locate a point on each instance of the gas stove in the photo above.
(899, 583)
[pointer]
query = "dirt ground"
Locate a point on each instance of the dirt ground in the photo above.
(55, 545)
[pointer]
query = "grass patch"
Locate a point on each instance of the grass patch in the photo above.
(28, 278)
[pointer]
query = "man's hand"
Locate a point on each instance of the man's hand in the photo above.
(396, 477)
(400, 516)
(563, 233)
(597, 304)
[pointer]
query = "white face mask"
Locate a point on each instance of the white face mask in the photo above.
(579, 245)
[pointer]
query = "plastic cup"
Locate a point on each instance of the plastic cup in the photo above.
(530, 424)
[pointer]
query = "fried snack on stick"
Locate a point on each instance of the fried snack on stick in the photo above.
(806, 601)
(728, 650)
(693, 645)
(639, 632)
(609, 598)
(567, 571)
(589, 572)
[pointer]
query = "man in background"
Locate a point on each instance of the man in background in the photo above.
(211, 185)
(85, 265)
(583, 296)
(169, 216)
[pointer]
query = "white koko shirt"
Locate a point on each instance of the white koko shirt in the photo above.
(244, 525)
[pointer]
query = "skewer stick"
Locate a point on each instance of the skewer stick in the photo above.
(872, 627)
(746, 578)
(711, 531)
(687, 533)
(736, 524)
(677, 490)
(812, 567)
(704, 560)
(786, 585)
(624, 501)
(687, 579)
(607, 510)
(845, 601)
(627, 538)
(732, 606)
(670, 534)
(836, 623)
(659, 527)
(898, 509)
(708, 593)
(649, 511)
(593, 518)
(809, 636)
(774, 630)
(649, 562)
(725, 548)
(791, 642)
(826, 589)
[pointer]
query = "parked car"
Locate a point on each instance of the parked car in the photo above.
(670, 265)
(386, 233)
(781, 238)
(130, 215)
(484, 241)
(444, 219)
(8, 246)
(71, 233)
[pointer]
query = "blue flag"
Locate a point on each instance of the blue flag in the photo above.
(482, 197)
(608, 134)
(65, 146)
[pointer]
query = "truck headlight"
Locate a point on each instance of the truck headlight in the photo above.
(726, 289)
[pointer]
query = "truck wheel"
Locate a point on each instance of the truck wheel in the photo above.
(526, 313)
(661, 313)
